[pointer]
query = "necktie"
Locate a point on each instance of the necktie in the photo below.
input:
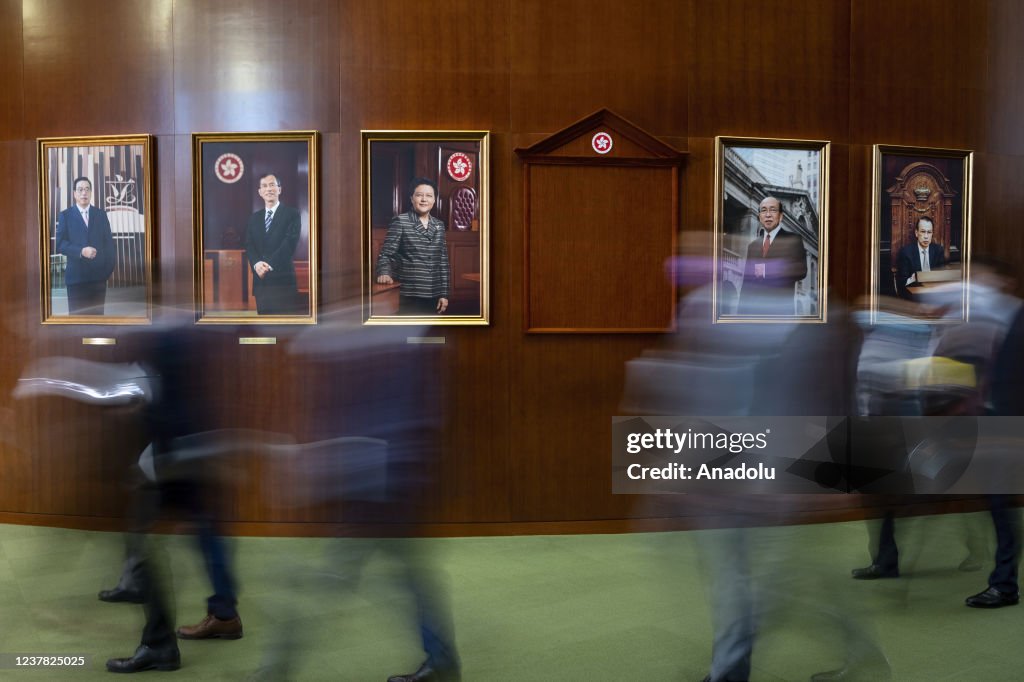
(85, 217)
(270, 216)
(925, 265)
(765, 245)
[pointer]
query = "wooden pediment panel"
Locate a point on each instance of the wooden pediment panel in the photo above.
(602, 213)
(602, 137)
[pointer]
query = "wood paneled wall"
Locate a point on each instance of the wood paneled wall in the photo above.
(528, 417)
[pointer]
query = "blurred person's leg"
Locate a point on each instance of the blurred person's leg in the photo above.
(427, 582)
(223, 602)
(222, 620)
(1003, 587)
(158, 648)
(977, 538)
(726, 557)
(885, 556)
(341, 573)
(145, 506)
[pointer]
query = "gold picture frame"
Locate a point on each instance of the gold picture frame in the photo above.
(229, 202)
(911, 187)
(457, 165)
(96, 242)
(787, 279)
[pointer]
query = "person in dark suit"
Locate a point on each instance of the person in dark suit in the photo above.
(179, 417)
(776, 260)
(1007, 401)
(271, 236)
(84, 237)
(912, 258)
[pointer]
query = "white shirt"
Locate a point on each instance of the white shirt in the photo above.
(772, 234)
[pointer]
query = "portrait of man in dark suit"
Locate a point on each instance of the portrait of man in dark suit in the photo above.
(85, 239)
(923, 255)
(271, 235)
(775, 262)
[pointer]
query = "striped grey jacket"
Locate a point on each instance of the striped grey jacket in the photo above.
(416, 256)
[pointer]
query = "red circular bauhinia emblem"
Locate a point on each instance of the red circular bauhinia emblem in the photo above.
(229, 168)
(601, 142)
(460, 166)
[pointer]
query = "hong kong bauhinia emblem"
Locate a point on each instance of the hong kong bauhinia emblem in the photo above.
(460, 166)
(601, 142)
(229, 168)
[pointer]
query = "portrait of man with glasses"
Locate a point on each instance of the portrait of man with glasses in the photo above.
(776, 261)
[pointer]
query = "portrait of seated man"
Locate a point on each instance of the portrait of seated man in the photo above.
(923, 255)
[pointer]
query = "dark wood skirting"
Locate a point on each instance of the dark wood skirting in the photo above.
(810, 515)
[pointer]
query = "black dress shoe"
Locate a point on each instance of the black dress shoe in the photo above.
(120, 594)
(993, 599)
(146, 658)
(874, 572)
(428, 673)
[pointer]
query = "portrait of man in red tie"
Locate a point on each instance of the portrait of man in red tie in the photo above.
(776, 261)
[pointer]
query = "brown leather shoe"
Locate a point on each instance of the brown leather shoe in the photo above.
(212, 627)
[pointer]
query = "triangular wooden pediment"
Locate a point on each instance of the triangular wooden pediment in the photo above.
(629, 143)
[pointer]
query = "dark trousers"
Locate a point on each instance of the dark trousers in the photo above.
(415, 305)
(887, 556)
(272, 299)
(87, 298)
(1007, 521)
(144, 567)
(148, 568)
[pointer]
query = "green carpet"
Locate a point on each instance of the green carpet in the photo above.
(593, 607)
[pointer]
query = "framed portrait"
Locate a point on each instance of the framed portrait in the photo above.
(255, 227)
(426, 227)
(96, 229)
(921, 231)
(771, 230)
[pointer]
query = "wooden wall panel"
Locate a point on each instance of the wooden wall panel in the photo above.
(917, 73)
(1003, 103)
(251, 65)
(770, 69)
(599, 239)
(572, 58)
(569, 388)
(433, 66)
(11, 78)
(444, 65)
(997, 193)
(15, 326)
(97, 67)
(528, 417)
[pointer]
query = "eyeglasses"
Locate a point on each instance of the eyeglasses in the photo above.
(772, 210)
